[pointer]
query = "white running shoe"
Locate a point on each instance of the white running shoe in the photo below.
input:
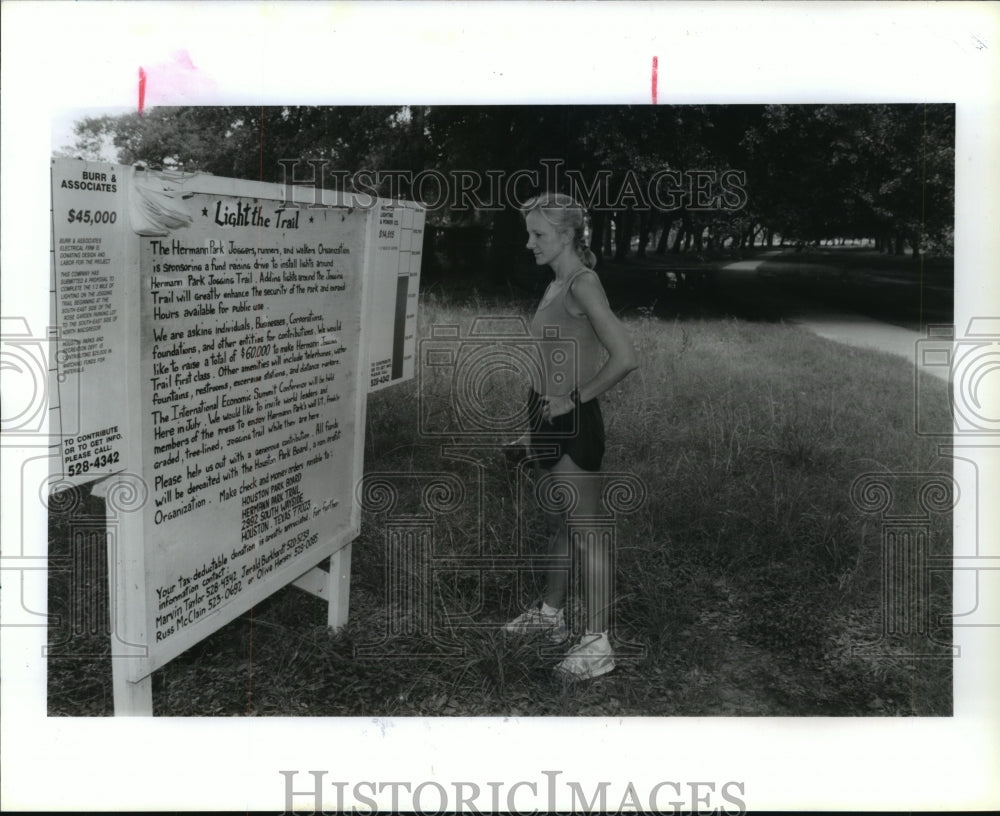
(590, 658)
(536, 621)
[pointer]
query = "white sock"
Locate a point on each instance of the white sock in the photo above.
(549, 610)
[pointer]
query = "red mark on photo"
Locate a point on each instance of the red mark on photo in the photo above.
(176, 81)
(142, 89)
(656, 67)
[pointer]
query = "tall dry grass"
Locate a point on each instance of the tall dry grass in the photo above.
(744, 583)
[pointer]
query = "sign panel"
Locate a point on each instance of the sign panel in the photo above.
(90, 234)
(397, 233)
(250, 339)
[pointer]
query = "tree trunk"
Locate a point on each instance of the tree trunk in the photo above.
(599, 224)
(683, 238)
(661, 244)
(678, 244)
(680, 239)
(623, 234)
(645, 228)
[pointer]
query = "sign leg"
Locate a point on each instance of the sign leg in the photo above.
(339, 587)
(131, 699)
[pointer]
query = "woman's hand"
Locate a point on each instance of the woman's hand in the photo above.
(553, 407)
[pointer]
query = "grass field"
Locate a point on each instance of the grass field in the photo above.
(745, 582)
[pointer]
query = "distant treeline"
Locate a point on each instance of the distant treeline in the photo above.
(655, 179)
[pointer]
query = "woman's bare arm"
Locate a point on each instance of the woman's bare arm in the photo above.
(589, 295)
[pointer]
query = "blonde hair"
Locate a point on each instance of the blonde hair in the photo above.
(565, 214)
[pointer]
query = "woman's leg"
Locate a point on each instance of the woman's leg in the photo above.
(557, 571)
(569, 496)
(585, 486)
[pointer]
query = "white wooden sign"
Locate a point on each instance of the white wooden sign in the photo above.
(233, 358)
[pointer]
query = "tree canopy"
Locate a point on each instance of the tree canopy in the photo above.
(662, 178)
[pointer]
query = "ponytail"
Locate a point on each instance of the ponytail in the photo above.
(564, 213)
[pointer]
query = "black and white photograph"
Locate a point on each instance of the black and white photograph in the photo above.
(652, 448)
(640, 415)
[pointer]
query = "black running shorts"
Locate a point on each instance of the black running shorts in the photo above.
(578, 434)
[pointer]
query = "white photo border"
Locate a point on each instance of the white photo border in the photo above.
(61, 57)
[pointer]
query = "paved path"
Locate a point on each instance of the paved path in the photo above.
(850, 328)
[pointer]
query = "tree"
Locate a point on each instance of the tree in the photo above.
(881, 171)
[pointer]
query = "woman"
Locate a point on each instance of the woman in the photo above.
(567, 430)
